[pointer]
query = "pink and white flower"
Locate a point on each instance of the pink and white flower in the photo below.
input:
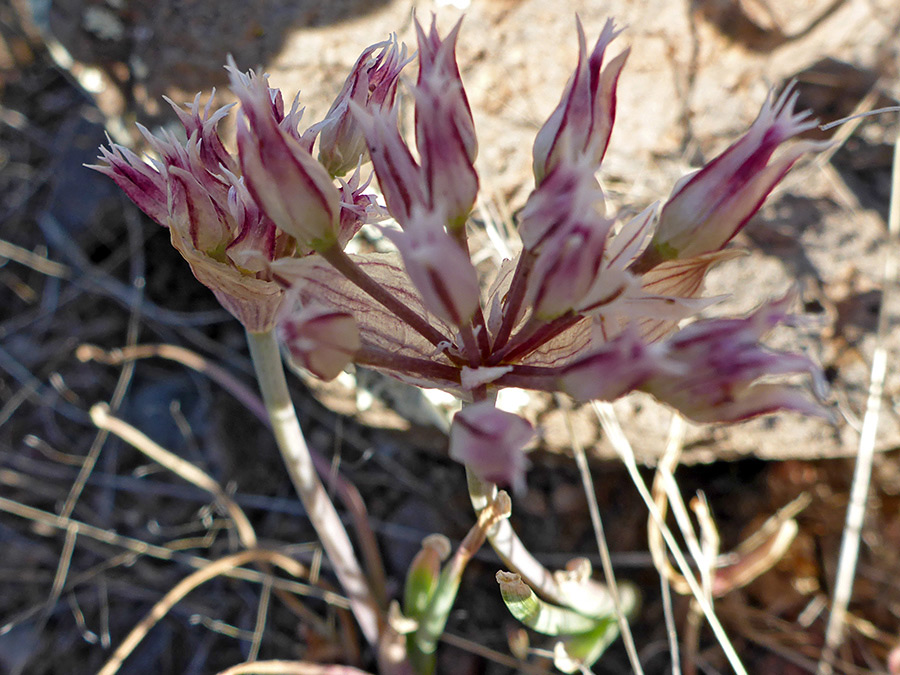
(490, 442)
(591, 306)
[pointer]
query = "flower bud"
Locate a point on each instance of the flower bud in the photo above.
(399, 176)
(291, 187)
(566, 267)
(445, 131)
(611, 371)
(707, 209)
(583, 120)
(569, 193)
(438, 267)
(490, 442)
(721, 361)
(320, 340)
(372, 84)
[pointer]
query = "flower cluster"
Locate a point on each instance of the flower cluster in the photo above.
(232, 214)
(590, 306)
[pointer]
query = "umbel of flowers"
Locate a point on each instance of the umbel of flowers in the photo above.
(590, 306)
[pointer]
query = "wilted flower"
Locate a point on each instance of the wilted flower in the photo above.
(293, 189)
(212, 220)
(232, 214)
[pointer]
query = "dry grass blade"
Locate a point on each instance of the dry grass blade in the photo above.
(160, 552)
(185, 586)
(610, 423)
(346, 491)
(856, 510)
(34, 261)
(289, 668)
(608, 572)
(104, 420)
(180, 355)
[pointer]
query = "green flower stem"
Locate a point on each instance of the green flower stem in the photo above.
(510, 548)
(537, 614)
(289, 437)
(434, 619)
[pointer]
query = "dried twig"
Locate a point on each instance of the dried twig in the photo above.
(346, 491)
(290, 668)
(161, 552)
(102, 417)
(185, 586)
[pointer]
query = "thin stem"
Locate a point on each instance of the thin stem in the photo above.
(478, 323)
(322, 514)
(343, 264)
(509, 547)
(470, 345)
(374, 357)
(622, 605)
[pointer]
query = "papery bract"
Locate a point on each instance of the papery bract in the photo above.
(491, 443)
